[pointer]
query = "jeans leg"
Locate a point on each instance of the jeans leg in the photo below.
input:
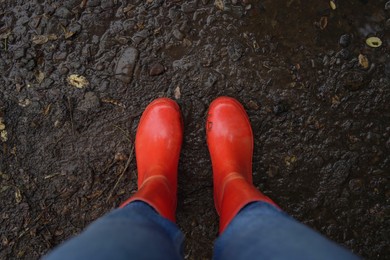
(261, 231)
(133, 232)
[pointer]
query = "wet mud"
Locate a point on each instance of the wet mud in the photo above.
(317, 95)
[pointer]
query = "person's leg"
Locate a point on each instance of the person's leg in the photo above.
(262, 231)
(144, 225)
(251, 224)
(135, 231)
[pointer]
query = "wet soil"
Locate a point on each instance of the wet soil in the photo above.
(321, 120)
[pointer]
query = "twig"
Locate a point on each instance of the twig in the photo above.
(124, 132)
(123, 172)
(71, 116)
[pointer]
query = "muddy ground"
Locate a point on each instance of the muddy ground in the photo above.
(320, 113)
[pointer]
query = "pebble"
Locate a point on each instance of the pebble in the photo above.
(345, 40)
(387, 6)
(178, 34)
(235, 51)
(93, 3)
(125, 65)
(63, 12)
(19, 53)
(156, 69)
(90, 101)
(356, 185)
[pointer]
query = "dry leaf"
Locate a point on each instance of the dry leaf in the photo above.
(332, 5)
(335, 100)
(177, 93)
(323, 22)
(47, 110)
(40, 76)
(290, 160)
(219, 4)
(363, 61)
(2, 125)
(18, 196)
(374, 42)
(42, 39)
(69, 34)
(77, 81)
(3, 136)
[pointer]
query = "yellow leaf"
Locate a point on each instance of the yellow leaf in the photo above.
(374, 42)
(18, 196)
(77, 81)
(363, 61)
(3, 136)
(332, 5)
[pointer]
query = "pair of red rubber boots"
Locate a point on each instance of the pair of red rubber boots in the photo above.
(230, 142)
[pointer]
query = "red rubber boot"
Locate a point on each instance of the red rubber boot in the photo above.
(230, 142)
(157, 149)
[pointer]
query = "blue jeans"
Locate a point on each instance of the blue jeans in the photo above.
(259, 231)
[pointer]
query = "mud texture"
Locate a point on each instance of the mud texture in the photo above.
(321, 120)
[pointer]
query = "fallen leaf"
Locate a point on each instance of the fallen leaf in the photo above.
(177, 93)
(290, 160)
(18, 196)
(332, 5)
(2, 125)
(40, 76)
(78, 81)
(363, 61)
(3, 136)
(374, 42)
(323, 22)
(219, 4)
(47, 110)
(69, 34)
(335, 100)
(42, 39)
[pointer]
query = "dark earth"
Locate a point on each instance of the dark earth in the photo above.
(317, 95)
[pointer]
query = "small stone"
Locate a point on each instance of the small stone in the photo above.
(63, 12)
(253, 105)
(19, 53)
(356, 185)
(345, 40)
(125, 65)
(235, 51)
(90, 101)
(74, 28)
(156, 69)
(93, 3)
(280, 108)
(178, 34)
(387, 6)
